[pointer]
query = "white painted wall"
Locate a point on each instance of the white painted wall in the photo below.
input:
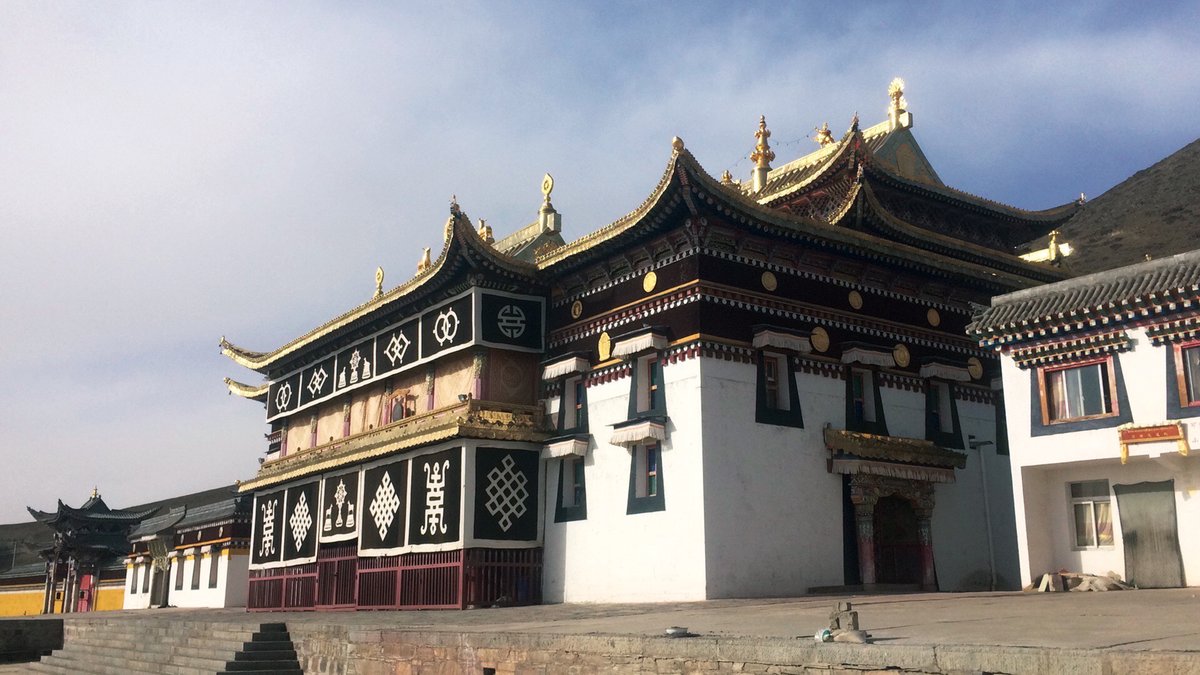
(1043, 466)
(232, 581)
(772, 510)
(645, 557)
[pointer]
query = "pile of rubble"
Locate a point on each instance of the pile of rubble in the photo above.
(1062, 580)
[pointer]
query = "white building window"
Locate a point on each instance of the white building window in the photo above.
(1187, 362)
(862, 395)
(941, 417)
(649, 384)
(572, 483)
(214, 568)
(775, 390)
(1078, 392)
(1091, 514)
(133, 579)
(646, 479)
(574, 400)
(146, 578)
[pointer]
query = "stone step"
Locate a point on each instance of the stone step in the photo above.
(264, 645)
(273, 655)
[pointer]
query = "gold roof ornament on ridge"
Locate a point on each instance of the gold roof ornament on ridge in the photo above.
(824, 136)
(378, 282)
(425, 262)
(485, 232)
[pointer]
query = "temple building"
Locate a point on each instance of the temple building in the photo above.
(83, 565)
(763, 386)
(1102, 388)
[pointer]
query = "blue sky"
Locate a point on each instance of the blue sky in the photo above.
(171, 173)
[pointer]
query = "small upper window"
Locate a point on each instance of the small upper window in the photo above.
(1188, 373)
(940, 415)
(572, 494)
(775, 397)
(647, 470)
(133, 579)
(574, 401)
(401, 406)
(146, 579)
(862, 395)
(1090, 506)
(1078, 392)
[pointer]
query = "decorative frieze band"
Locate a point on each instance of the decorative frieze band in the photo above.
(1072, 349)
(1174, 331)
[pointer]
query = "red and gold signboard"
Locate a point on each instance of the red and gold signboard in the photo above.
(1152, 433)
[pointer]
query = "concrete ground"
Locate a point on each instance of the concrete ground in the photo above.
(1161, 620)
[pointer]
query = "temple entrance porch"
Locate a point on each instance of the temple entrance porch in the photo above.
(890, 494)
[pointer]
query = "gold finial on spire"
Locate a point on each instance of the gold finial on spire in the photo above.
(453, 203)
(547, 187)
(677, 144)
(425, 262)
(485, 232)
(897, 106)
(378, 281)
(762, 154)
(549, 219)
(95, 492)
(824, 136)
(1082, 199)
(726, 178)
(854, 122)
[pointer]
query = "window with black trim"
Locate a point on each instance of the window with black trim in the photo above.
(179, 574)
(196, 571)
(1091, 514)
(133, 579)
(647, 395)
(942, 425)
(572, 491)
(1078, 391)
(146, 578)
(572, 411)
(862, 399)
(777, 400)
(214, 568)
(646, 479)
(1187, 373)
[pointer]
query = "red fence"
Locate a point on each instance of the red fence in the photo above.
(441, 580)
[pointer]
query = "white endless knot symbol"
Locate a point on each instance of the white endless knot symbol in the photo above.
(300, 521)
(266, 545)
(435, 497)
(284, 396)
(396, 348)
(506, 493)
(317, 381)
(511, 321)
(384, 505)
(446, 326)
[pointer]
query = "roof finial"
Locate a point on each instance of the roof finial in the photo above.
(854, 122)
(95, 492)
(485, 232)
(824, 136)
(378, 281)
(677, 144)
(762, 154)
(548, 218)
(726, 178)
(1082, 199)
(897, 106)
(425, 262)
(454, 204)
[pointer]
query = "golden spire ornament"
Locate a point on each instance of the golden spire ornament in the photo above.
(762, 155)
(425, 262)
(378, 281)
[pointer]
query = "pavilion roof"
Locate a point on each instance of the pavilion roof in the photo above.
(462, 243)
(1099, 299)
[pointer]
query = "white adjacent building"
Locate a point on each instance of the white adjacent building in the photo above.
(1102, 391)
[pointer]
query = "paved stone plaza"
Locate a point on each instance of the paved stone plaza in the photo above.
(1074, 624)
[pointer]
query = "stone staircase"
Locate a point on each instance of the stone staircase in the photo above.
(166, 647)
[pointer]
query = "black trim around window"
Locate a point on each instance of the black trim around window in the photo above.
(764, 414)
(635, 380)
(564, 514)
(933, 431)
(581, 418)
(652, 503)
(1039, 428)
(855, 422)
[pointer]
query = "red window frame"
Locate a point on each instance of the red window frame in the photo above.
(1181, 373)
(1043, 394)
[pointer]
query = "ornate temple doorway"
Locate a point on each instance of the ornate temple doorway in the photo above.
(897, 544)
